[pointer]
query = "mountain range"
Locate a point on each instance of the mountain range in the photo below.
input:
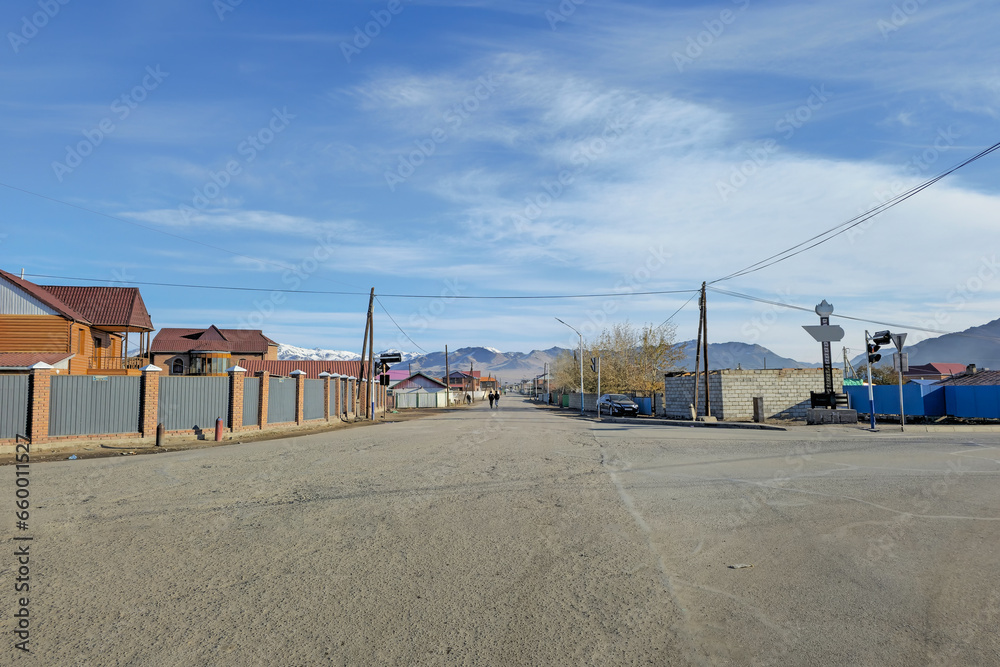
(977, 345)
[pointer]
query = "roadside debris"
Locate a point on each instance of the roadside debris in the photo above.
(72, 458)
(740, 566)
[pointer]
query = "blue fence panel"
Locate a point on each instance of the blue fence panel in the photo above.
(312, 402)
(93, 404)
(887, 399)
(934, 403)
(973, 402)
(251, 400)
(13, 406)
(280, 400)
(645, 405)
(193, 402)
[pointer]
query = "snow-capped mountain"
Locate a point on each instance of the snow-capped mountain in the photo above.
(319, 354)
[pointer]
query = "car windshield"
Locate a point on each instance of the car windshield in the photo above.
(618, 397)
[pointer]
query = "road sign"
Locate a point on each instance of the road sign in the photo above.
(906, 362)
(825, 333)
(897, 340)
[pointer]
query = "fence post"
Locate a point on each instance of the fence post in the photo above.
(39, 395)
(300, 395)
(236, 375)
(265, 386)
(149, 400)
(326, 394)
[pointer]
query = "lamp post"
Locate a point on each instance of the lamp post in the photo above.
(581, 363)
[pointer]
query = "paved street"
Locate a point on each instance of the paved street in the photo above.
(522, 536)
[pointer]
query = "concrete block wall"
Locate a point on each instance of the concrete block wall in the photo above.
(785, 391)
(679, 391)
(589, 402)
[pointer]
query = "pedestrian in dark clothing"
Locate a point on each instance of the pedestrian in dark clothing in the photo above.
(468, 399)
(491, 400)
(496, 399)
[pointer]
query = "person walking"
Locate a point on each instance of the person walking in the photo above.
(491, 400)
(496, 399)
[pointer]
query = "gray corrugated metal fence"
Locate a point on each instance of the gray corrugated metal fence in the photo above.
(312, 407)
(13, 406)
(280, 400)
(94, 404)
(251, 400)
(193, 402)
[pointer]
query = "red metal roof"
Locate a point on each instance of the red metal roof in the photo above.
(27, 359)
(45, 297)
(105, 306)
(222, 340)
(310, 367)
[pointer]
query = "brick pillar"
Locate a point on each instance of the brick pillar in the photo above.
(40, 392)
(149, 401)
(265, 386)
(335, 383)
(300, 395)
(352, 396)
(236, 376)
(326, 395)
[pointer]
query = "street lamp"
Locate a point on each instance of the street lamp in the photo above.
(581, 363)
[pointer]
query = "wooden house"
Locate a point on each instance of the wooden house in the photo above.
(78, 330)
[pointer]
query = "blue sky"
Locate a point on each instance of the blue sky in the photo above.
(518, 148)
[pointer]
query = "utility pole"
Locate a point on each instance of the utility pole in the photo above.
(697, 357)
(581, 363)
(704, 342)
(364, 347)
(447, 374)
(371, 359)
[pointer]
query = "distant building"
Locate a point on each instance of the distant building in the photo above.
(934, 371)
(208, 351)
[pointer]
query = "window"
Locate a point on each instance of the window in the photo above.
(178, 367)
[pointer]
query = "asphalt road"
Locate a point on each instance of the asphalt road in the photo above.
(519, 537)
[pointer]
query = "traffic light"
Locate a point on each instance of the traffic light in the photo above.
(882, 337)
(593, 364)
(383, 380)
(872, 357)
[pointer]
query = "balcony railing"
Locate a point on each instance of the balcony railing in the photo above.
(117, 363)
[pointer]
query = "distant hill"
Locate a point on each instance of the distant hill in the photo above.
(516, 366)
(977, 345)
(742, 355)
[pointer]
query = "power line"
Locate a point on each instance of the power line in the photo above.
(189, 286)
(690, 298)
(399, 327)
(537, 296)
(839, 229)
(896, 325)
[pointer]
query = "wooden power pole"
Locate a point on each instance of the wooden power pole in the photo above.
(697, 356)
(704, 342)
(365, 349)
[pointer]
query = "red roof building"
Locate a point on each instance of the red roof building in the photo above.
(935, 371)
(208, 351)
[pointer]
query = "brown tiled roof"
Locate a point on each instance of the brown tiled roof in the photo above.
(45, 297)
(310, 367)
(978, 378)
(936, 369)
(26, 359)
(224, 340)
(105, 306)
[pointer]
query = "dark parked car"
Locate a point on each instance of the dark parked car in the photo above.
(618, 405)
